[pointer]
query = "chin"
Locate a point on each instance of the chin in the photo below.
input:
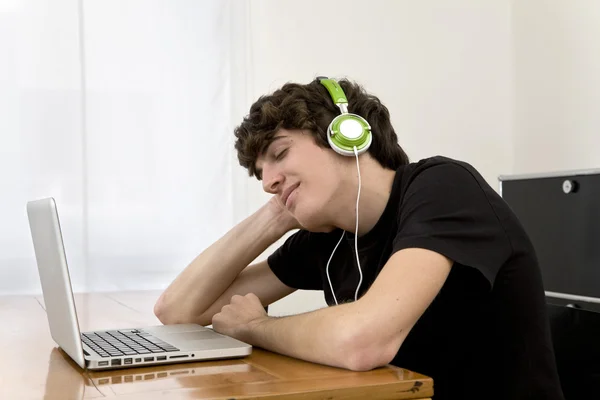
(319, 229)
(314, 223)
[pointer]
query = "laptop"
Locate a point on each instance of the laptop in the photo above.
(117, 348)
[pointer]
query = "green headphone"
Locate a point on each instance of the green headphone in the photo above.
(347, 130)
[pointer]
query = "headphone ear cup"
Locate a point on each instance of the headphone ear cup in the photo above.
(348, 131)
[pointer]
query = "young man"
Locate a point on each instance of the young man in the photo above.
(423, 265)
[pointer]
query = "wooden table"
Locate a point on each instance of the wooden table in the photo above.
(33, 367)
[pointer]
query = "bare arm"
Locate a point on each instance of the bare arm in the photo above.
(359, 336)
(258, 279)
(221, 271)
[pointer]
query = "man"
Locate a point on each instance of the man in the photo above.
(423, 265)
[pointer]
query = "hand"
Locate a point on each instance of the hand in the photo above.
(240, 316)
(285, 218)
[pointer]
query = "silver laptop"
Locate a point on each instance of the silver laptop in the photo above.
(120, 348)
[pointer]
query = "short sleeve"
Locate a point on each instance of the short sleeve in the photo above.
(295, 262)
(446, 209)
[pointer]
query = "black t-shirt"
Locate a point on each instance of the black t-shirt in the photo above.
(486, 334)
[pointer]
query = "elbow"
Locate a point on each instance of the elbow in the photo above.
(363, 351)
(160, 310)
(166, 313)
(361, 360)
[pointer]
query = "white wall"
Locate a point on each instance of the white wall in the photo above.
(557, 85)
(40, 128)
(444, 69)
(451, 73)
(122, 111)
(158, 137)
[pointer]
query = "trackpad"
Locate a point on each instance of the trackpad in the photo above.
(187, 336)
(200, 340)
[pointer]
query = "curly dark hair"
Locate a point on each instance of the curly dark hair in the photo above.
(310, 107)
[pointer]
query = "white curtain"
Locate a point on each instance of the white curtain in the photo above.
(123, 112)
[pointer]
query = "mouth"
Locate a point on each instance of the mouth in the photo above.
(286, 194)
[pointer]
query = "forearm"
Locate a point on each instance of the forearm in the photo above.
(332, 336)
(213, 271)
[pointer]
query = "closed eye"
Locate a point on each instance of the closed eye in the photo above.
(281, 154)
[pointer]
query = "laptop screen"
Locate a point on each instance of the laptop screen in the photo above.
(561, 214)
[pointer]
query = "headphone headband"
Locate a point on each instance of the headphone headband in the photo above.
(347, 133)
(335, 90)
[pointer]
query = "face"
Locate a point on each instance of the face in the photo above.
(305, 176)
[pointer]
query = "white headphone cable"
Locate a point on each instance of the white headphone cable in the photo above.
(327, 269)
(356, 232)
(355, 240)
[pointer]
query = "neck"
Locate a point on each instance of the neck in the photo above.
(376, 187)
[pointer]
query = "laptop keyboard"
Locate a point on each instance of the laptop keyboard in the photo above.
(126, 342)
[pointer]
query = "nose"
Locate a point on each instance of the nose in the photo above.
(272, 180)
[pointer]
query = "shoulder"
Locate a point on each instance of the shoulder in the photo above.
(441, 179)
(447, 207)
(439, 167)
